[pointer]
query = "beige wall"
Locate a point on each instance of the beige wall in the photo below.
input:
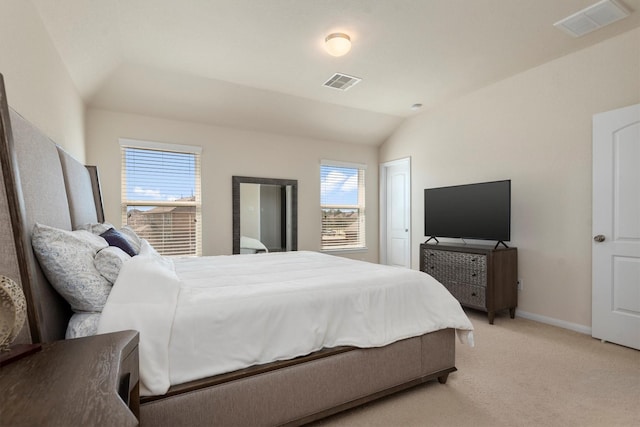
(38, 84)
(535, 129)
(227, 152)
(39, 88)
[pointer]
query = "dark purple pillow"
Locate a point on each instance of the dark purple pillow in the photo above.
(115, 238)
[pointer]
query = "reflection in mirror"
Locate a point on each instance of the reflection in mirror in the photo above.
(265, 215)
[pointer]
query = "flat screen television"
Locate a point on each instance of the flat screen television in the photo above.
(474, 211)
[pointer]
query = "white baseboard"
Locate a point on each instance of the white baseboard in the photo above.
(555, 322)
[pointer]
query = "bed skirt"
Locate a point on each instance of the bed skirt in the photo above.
(306, 389)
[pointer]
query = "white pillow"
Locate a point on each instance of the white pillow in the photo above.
(67, 258)
(108, 262)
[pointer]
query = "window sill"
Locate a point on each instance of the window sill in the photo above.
(345, 250)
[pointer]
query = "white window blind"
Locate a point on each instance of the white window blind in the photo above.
(342, 198)
(161, 195)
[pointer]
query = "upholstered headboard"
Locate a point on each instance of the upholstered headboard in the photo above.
(43, 184)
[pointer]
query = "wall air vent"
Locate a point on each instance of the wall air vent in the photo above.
(342, 81)
(592, 18)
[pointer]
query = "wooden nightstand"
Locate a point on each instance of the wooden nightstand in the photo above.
(90, 381)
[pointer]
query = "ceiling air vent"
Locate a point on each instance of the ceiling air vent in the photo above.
(592, 18)
(342, 81)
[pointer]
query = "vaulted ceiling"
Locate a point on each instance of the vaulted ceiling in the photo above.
(260, 64)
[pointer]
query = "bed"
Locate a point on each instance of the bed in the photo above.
(249, 245)
(44, 185)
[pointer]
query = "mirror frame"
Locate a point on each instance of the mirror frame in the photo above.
(237, 180)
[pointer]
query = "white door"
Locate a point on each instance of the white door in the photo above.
(616, 226)
(396, 213)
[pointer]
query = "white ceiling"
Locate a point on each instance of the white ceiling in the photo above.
(260, 64)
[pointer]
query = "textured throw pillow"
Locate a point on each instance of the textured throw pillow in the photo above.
(82, 325)
(117, 239)
(66, 257)
(108, 262)
(99, 228)
(132, 237)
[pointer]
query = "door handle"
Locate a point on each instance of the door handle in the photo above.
(599, 238)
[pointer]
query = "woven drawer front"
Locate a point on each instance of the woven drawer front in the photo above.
(460, 259)
(468, 294)
(457, 267)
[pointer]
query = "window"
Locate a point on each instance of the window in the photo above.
(342, 203)
(161, 195)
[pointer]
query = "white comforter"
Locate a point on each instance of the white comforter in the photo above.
(199, 317)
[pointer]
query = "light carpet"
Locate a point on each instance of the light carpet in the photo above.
(520, 373)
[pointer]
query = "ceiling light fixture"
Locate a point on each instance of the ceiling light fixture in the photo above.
(337, 44)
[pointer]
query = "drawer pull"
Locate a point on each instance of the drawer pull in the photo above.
(474, 275)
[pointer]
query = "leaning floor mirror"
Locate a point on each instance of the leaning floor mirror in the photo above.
(265, 215)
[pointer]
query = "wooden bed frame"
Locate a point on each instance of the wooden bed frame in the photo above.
(44, 184)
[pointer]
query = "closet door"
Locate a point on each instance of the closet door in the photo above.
(616, 226)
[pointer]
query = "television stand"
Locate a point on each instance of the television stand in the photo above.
(480, 277)
(432, 237)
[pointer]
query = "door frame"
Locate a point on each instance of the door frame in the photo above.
(383, 206)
